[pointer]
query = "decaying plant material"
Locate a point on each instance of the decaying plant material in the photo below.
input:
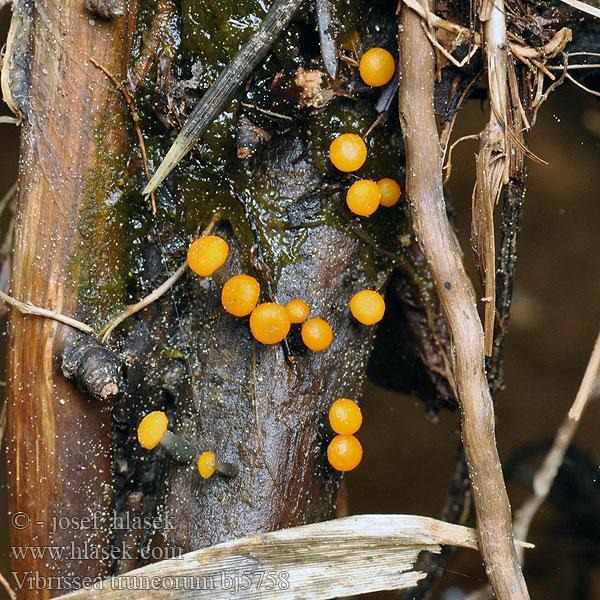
(277, 565)
(259, 176)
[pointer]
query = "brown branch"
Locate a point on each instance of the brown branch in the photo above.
(424, 188)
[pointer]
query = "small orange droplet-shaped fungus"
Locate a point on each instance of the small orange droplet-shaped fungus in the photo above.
(269, 323)
(207, 254)
(297, 310)
(348, 152)
(345, 416)
(363, 197)
(344, 452)
(207, 464)
(240, 295)
(377, 67)
(368, 307)
(152, 429)
(317, 334)
(390, 191)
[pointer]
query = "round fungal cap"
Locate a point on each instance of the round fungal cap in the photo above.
(377, 67)
(368, 307)
(344, 452)
(207, 254)
(207, 464)
(317, 334)
(390, 191)
(348, 152)
(363, 197)
(269, 323)
(240, 295)
(297, 310)
(152, 429)
(345, 416)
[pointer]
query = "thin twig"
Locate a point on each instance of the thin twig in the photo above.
(590, 10)
(545, 475)
(7, 587)
(136, 122)
(221, 91)
(580, 85)
(29, 309)
(153, 296)
(8, 196)
(10, 121)
(587, 385)
(149, 299)
(426, 199)
(448, 166)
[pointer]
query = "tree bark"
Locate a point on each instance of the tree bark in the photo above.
(59, 440)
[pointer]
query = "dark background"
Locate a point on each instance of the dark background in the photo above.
(408, 460)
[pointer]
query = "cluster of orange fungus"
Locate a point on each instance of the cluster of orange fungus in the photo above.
(152, 429)
(390, 191)
(368, 307)
(363, 197)
(297, 310)
(345, 416)
(240, 295)
(344, 452)
(317, 334)
(377, 67)
(348, 152)
(207, 464)
(207, 254)
(269, 323)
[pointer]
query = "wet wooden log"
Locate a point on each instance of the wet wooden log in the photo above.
(59, 440)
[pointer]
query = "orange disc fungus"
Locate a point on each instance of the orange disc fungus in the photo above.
(297, 311)
(368, 307)
(269, 323)
(377, 67)
(240, 295)
(152, 429)
(363, 197)
(207, 464)
(344, 452)
(207, 254)
(345, 416)
(390, 191)
(348, 152)
(317, 334)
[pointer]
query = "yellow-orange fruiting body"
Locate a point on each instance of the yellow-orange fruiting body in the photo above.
(269, 323)
(152, 429)
(368, 307)
(317, 334)
(297, 310)
(240, 295)
(390, 191)
(207, 464)
(344, 452)
(363, 197)
(348, 152)
(207, 254)
(345, 416)
(377, 67)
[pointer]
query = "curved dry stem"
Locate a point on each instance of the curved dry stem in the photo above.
(29, 309)
(545, 475)
(425, 192)
(149, 299)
